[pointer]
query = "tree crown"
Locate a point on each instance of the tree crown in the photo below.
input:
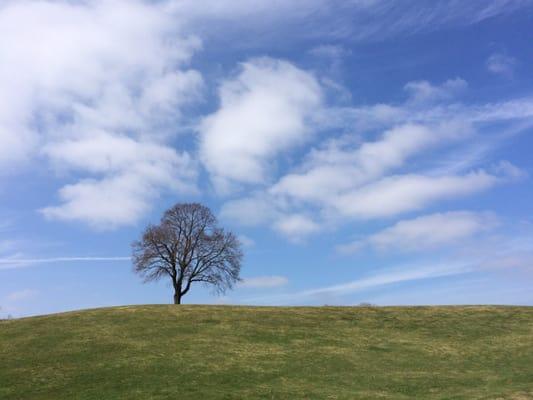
(188, 246)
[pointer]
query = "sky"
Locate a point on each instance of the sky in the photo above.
(362, 150)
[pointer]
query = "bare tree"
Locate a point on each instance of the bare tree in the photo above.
(187, 247)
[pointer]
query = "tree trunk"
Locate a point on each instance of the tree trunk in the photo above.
(177, 298)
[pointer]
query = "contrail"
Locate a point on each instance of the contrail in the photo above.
(25, 261)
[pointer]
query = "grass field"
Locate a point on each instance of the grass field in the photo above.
(222, 352)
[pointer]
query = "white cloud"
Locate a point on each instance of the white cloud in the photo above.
(246, 241)
(501, 64)
(263, 282)
(505, 168)
(402, 193)
(264, 111)
(425, 92)
(296, 226)
(505, 253)
(17, 261)
(94, 105)
(426, 232)
(261, 209)
(331, 51)
(338, 168)
(382, 116)
(134, 173)
(356, 20)
(80, 99)
(360, 178)
(104, 204)
(394, 276)
(387, 277)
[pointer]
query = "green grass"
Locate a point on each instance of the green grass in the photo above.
(222, 352)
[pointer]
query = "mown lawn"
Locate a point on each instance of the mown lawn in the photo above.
(223, 352)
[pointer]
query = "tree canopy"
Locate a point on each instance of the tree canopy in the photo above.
(188, 246)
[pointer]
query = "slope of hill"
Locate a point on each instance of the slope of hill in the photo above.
(223, 352)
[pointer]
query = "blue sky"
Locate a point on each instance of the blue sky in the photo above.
(364, 151)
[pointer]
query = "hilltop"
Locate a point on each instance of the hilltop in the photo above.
(226, 352)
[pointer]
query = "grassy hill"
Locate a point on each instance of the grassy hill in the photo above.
(222, 352)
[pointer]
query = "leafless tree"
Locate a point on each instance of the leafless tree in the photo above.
(188, 246)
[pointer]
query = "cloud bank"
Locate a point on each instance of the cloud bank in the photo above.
(96, 93)
(102, 99)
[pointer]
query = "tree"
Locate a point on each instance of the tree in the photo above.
(188, 246)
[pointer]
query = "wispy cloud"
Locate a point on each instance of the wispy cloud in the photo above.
(404, 274)
(108, 97)
(501, 64)
(505, 253)
(381, 176)
(425, 232)
(7, 263)
(260, 282)
(333, 52)
(359, 20)
(246, 241)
